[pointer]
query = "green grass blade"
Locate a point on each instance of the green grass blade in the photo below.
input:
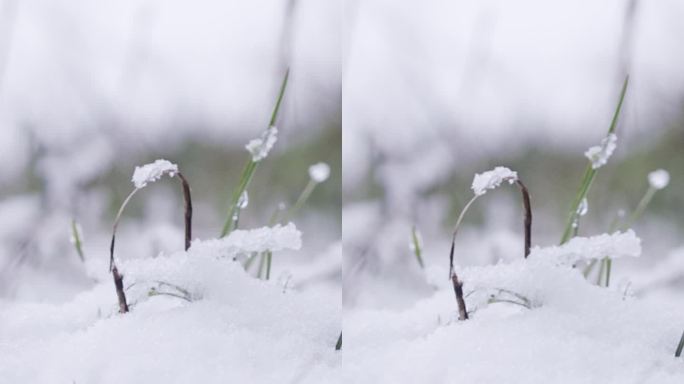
(416, 247)
(590, 173)
(250, 168)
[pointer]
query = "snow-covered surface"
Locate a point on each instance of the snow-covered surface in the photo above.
(233, 328)
(261, 146)
(659, 179)
(149, 173)
(492, 179)
(531, 321)
(599, 154)
(319, 172)
(614, 245)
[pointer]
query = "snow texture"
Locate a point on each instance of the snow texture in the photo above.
(196, 317)
(261, 146)
(531, 321)
(319, 172)
(616, 245)
(149, 173)
(275, 239)
(659, 179)
(492, 179)
(599, 154)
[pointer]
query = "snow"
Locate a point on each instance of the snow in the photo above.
(599, 154)
(319, 172)
(616, 245)
(492, 179)
(261, 146)
(275, 239)
(149, 173)
(659, 179)
(583, 207)
(531, 321)
(234, 328)
(243, 201)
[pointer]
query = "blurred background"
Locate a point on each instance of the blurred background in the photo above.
(89, 90)
(436, 92)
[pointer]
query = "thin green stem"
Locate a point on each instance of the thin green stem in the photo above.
(248, 172)
(76, 235)
(590, 173)
(301, 200)
(416, 247)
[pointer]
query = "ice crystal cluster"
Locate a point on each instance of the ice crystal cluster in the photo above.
(261, 146)
(599, 154)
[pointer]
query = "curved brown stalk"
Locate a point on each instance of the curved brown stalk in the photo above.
(118, 278)
(528, 217)
(188, 210)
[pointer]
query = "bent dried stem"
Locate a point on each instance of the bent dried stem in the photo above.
(528, 216)
(187, 198)
(458, 290)
(118, 278)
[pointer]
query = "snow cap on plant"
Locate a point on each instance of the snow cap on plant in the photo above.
(149, 173)
(659, 179)
(319, 172)
(261, 146)
(492, 179)
(599, 154)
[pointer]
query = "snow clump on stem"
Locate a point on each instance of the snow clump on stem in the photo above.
(492, 179)
(261, 146)
(599, 154)
(319, 172)
(659, 179)
(149, 173)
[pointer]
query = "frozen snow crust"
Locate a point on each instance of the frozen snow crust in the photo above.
(568, 331)
(235, 328)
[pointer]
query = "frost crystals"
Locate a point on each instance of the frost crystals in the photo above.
(599, 154)
(260, 147)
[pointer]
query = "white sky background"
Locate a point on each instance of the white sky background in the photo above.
(469, 78)
(145, 72)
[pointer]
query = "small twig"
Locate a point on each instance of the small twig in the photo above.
(187, 198)
(528, 216)
(458, 290)
(338, 346)
(118, 283)
(680, 347)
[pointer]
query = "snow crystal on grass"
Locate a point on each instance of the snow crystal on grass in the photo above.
(599, 154)
(260, 147)
(615, 245)
(492, 179)
(149, 173)
(319, 172)
(659, 179)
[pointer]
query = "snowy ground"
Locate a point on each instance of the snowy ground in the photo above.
(195, 316)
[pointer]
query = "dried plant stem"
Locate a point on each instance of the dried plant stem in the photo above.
(120, 294)
(338, 346)
(187, 198)
(528, 216)
(458, 290)
(118, 278)
(680, 347)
